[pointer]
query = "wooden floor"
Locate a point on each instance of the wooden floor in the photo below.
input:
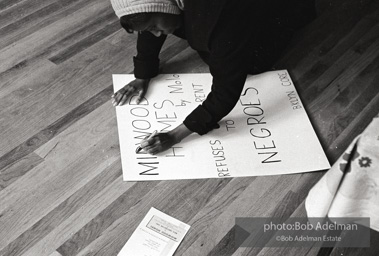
(61, 189)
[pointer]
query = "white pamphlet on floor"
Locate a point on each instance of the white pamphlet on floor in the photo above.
(158, 234)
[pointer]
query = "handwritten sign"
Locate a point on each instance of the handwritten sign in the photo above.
(267, 133)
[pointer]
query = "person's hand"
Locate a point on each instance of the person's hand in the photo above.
(158, 143)
(137, 86)
(163, 141)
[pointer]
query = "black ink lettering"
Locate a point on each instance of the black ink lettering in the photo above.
(149, 165)
(284, 79)
(177, 88)
(167, 123)
(253, 121)
(250, 111)
(174, 153)
(142, 136)
(165, 116)
(163, 102)
(265, 133)
(242, 98)
(229, 124)
(264, 146)
(141, 124)
(295, 102)
(215, 142)
(272, 155)
(183, 103)
(135, 112)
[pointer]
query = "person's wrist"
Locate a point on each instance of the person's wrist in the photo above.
(179, 133)
(142, 79)
(175, 136)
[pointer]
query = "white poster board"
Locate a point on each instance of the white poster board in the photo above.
(267, 133)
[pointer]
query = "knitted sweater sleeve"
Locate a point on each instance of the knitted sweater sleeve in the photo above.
(146, 62)
(228, 64)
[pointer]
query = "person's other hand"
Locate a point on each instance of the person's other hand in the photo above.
(158, 143)
(137, 86)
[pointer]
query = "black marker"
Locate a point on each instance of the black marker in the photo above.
(139, 148)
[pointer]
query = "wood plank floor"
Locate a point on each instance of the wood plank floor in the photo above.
(61, 188)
